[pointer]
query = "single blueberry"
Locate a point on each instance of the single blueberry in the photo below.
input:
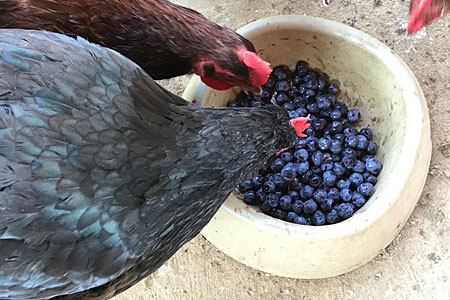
(293, 114)
(333, 193)
(320, 195)
(260, 195)
(335, 115)
(327, 158)
(351, 141)
(335, 146)
(302, 67)
(279, 180)
(257, 181)
(365, 189)
(338, 169)
(345, 210)
(326, 167)
(277, 165)
(312, 108)
(372, 147)
(297, 206)
(294, 195)
(329, 178)
(288, 172)
(306, 192)
(311, 143)
(367, 132)
(281, 72)
(343, 184)
(321, 83)
(359, 167)
(301, 112)
(269, 187)
(265, 206)
(302, 167)
(333, 87)
(301, 220)
(282, 86)
(348, 161)
(316, 158)
(249, 197)
(299, 102)
(353, 115)
(322, 101)
(345, 195)
(332, 217)
(335, 127)
(355, 180)
(318, 218)
(272, 199)
(286, 156)
(301, 155)
(315, 181)
(350, 131)
(293, 92)
(291, 216)
(285, 202)
(327, 205)
(323, 143)
(370, 179)
(245, 185)
(281, 98)
(309, 207)
(373, 166)
(311, 84)
(362, 142)
(347, 151)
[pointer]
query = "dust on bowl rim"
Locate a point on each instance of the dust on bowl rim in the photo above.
(381, 200)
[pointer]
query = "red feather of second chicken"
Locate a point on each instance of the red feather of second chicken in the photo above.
(423, 12)
(163, 38)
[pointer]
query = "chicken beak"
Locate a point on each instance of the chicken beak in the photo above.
(256, 90)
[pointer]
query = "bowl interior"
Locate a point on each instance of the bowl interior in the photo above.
(368, 81)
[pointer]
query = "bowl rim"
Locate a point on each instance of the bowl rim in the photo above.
(417, 120)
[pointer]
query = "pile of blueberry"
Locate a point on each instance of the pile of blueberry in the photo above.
(326, 176)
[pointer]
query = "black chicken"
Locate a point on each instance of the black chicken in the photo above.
(104, 175)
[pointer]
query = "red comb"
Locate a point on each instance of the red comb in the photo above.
(258, 68)
(423, 12)
(300, 124)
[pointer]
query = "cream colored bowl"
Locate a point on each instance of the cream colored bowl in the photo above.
(381, 85)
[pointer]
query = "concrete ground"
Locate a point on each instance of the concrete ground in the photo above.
(417, 264)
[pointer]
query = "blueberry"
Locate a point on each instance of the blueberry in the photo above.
(323, 143)
(333, 87)
(297, 206)
(358, 200)
(293, 114)
(326, 167)
(311, 143)
(249, 197)
(327, 158)
(315, 181)
(269, 187)
(345, 123)
(345, 195)
(318, 218)
(316, 158)
(277, 165)
(329, 178)
(245, 185)
(362, 142)
(338, 169)
(366, 157)
(311, 84)
(372, 147)
(342, 108)
(293, 92)
(320, 195)
(335, 115)
(335, 157)
(335, 127)
(294, 195)
(266, 94)
(350, 131)
(333, 193)
(306, 192)
(319, 124)
(345, 210)
(332, 217)
(327, 205)
(265, 206)
(349, 161)
(312, 107)
(301, 220)
(332, 99)
(309, 76)
(321, 83)
(288, 172)
(335, 146)
(351, 141)
(279, 180)
(281, 72)
(272, 199)
(286, 156)
(367, 132)
(260, 195)
(301, 112)
(282, 86)
(301, 68)
(269, 177)
(309, 93)
(355, 180)
(322, 102)
(296, 79)
(299, 102)
(370, 178)
(295, 184)
(270, 84)
(301, 155)
(281, 98)
(309, 207)
(343, 184)
(257, 181)
(285, 202)
(348, 152)
(365, 189)
(340, 137)
(353, 115)
(279, 214)
(359, 167)
(291, 216)
(302, 167)
(373, 166)
(317, 170)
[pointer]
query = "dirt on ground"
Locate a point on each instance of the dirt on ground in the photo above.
(417, 264)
